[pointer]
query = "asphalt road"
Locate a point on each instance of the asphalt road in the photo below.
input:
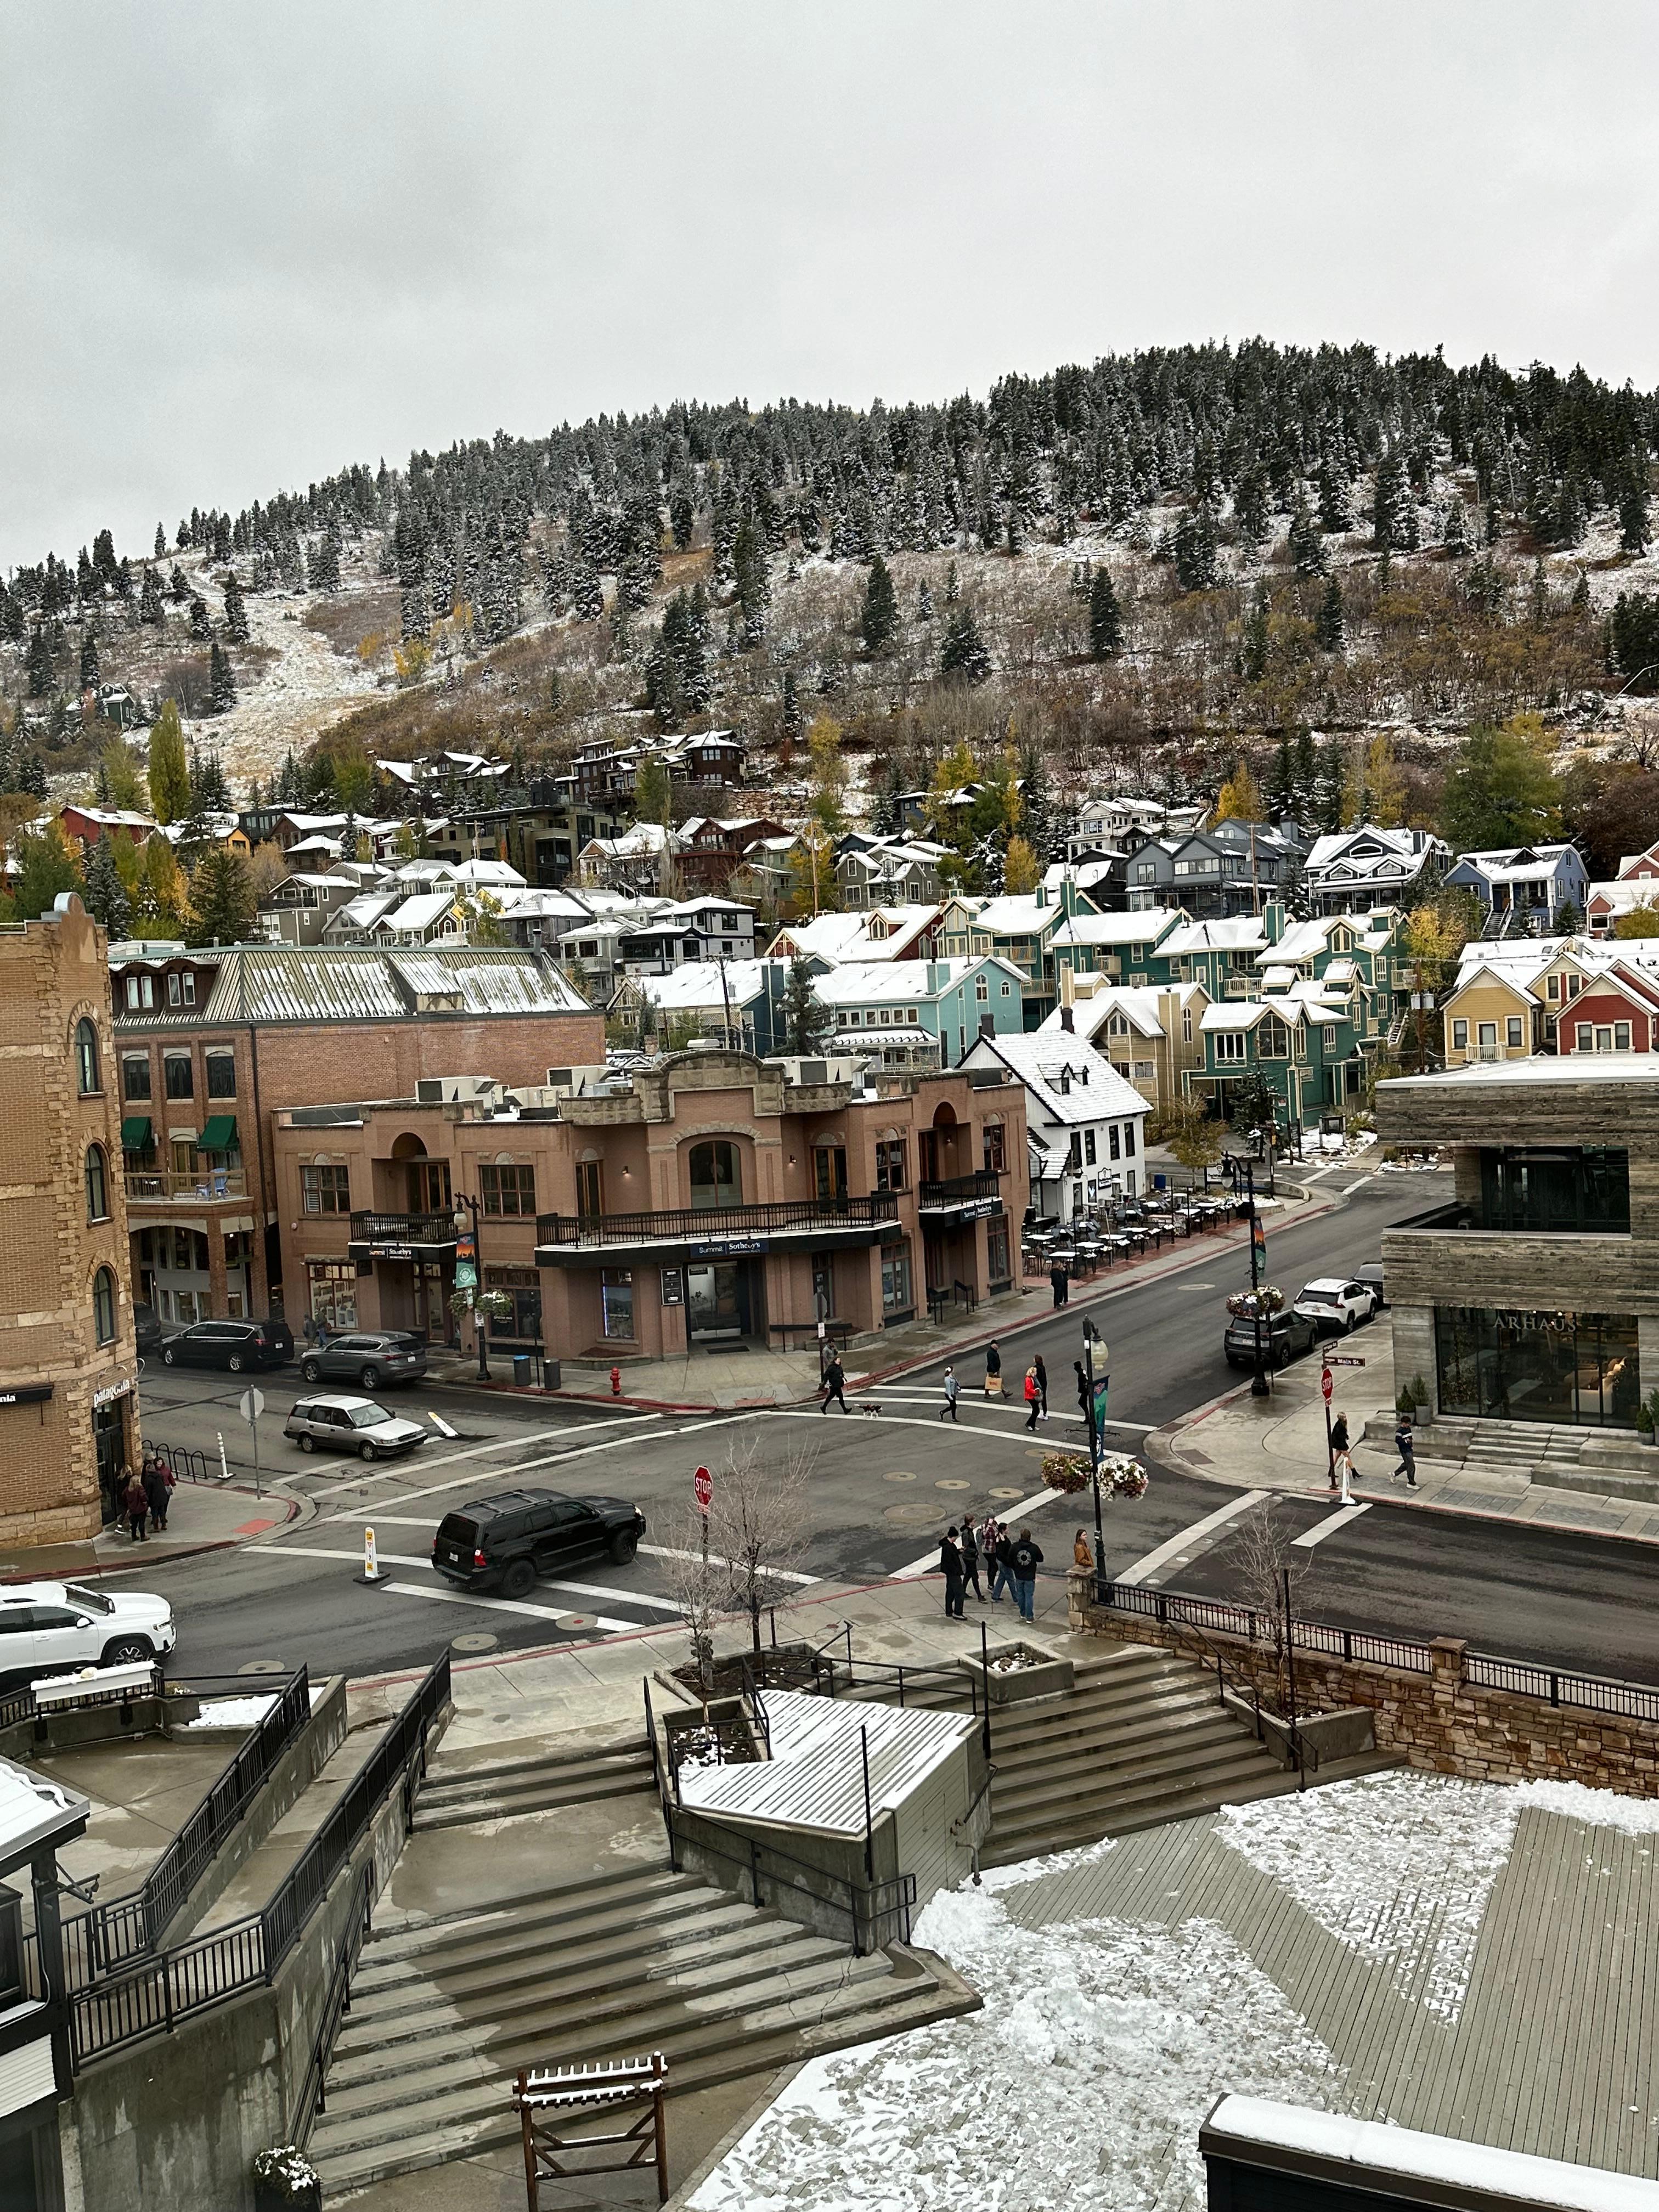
(879, 1493)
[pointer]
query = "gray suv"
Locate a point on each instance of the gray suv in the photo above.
(367, 1357)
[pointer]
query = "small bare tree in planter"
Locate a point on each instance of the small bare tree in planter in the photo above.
(740, 1556)
(696, 1584)
(1264, 1555)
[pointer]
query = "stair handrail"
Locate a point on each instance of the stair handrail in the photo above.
(1229, 1675)
(870, 1895)
(337, 2003)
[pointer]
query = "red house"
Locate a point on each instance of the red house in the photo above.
(1616, 1010)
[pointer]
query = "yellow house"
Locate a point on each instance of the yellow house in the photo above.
(1492, 1016)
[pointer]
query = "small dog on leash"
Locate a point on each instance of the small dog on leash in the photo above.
(870, 1413)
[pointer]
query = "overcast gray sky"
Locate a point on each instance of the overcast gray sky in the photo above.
(243, 245)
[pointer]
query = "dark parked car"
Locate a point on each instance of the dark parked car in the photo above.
(234, 1343)
(367, 1356)
(1372, 1275)
(146, 1328)
(1284, 1338)
(505, 1541)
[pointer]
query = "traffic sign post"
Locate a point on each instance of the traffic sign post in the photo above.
(702, 1488)
(1327, 1384)
(253, 1404)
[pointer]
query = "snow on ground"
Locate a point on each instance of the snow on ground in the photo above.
(1083, 2079)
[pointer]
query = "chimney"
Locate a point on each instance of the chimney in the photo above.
(1067, 1022)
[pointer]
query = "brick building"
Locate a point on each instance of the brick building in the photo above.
(68, 1363)
(706, 1198)
(212, 1044)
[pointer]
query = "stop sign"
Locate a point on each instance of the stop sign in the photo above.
(703, 1483)
(1327, 1382)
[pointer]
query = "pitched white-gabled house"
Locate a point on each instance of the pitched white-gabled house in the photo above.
(1084, 1124)
(1354, 870)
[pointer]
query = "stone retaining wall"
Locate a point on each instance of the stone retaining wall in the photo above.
(1438, 1721)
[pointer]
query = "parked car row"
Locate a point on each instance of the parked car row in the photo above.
(1330, 1305)
(368, 1356)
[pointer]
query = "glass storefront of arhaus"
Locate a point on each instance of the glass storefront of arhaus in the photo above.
(1509, 1363)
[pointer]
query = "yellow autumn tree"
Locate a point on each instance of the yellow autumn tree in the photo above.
(1022, 871)
(1385, 785)
(1239, 798)
(828, 772)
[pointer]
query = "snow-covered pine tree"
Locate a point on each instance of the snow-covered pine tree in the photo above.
(1335, 516)
(1037, 806)
(221, 682)
(236, 610)
(1330, 627)
(178, 585)
(1193, 550)
(150, 601)
(963, 652)
(160, 541)
(1633, 507)
(789, 720)
(924, 601)
(1390, 528)
(89, 674)
(1253, 650)
(1105, 617)
(37, 665)
(1456, 533)
(879, 619)
(105, 895)
(201, 628)
(1307, 547)
(1251, 502)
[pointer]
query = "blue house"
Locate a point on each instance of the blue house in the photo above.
(1531, 883)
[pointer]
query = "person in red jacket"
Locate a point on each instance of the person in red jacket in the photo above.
(1033, 1398)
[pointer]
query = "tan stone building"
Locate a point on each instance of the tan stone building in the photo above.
(705, 1199)
(68, 1409)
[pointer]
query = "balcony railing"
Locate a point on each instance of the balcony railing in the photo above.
(203, 1184)
(939, 1193)
(427, 1228)
(715, 1223)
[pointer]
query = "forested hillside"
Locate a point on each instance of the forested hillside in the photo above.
(1143, 569)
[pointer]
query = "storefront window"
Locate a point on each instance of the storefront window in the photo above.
(898, 1300)
(524, 1286)
(1582, 1190)
(1513, 1365)
(333, 1289)
(616, 1301)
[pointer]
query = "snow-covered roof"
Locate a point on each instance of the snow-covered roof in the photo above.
(1232, 1014)
(815, 1778)
(1518, 863)
(697, 983)
(1041, 1059)
(420, 911)
(1017, 917)
(280, 984)
(644, 838)
(488, 875)
(857, 981)
(32, 1809)
(843, 936)
(1144, 924)
(1242, 932)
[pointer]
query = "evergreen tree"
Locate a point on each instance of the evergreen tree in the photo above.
(161, 541)
(752, 583)
(1329, 624)
(169, 769)
(1633, 508)
(221, 683)
(89, 676)
(1306, 785)
(924, 601)
(105, 897)
(807, 1020)
(236, 610)
(1457, 530)
(201, 629)
(1329, 787)
(884, 821)
(45, 869)
(963, 652)
(1194, 549)
(790, 720)
(1281, 783)
(587, 593)
(1253, 654)
(1334, 517)
(1389, 530)
(150, 601)
(878, 621)
(288, 790)
(1036, 812)
(223, 906)
(1250, 503)
(1105, 617)
(1307, 548)
(951, 587)
(38, 665)
(209, 791)
(178, 586)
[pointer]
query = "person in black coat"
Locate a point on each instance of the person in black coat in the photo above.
(1025, 1558)
(1042, 1382)
(153, 1475)
(1060, 1282)
(950, 1560)
(993, 1370)
(835, 1386)
(969, 1545)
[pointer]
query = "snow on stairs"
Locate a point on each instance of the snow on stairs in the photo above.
(444, 2011)
(454, 1796)
(1140, 1738)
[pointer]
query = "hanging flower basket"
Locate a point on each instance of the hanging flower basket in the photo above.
(1256, 1305)
(1065, 1471)
(1125, 1477)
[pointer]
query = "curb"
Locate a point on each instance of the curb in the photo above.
(294, 1509)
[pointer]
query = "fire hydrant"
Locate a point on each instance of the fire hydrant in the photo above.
(616, 1382)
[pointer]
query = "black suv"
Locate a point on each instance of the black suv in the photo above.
(234, 1343)
(504, 1543)
(1286, 1336)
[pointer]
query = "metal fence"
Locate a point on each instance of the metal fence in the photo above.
(173, 1985)
(1596, 1693)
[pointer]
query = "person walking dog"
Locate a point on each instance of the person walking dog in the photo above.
(952, 1391)
(1405, 1444)
(835, 1386)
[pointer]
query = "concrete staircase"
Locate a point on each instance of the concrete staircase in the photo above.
(638, 1958)
(454, 1795)
(1140, 1738)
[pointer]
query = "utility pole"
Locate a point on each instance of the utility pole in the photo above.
(1259, 1380)
(1094, 1349)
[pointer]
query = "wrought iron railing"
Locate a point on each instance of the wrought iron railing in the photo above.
(715, 1223)
(959, 1190)
(200, 1183)
(403, 1228)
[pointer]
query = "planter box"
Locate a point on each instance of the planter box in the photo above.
(1041, 1675)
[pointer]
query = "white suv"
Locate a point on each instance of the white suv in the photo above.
(51, 1628)
(1336, 1303)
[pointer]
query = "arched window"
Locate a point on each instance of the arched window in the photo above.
(715, 1179)
(103, 1306)
(86, 1057)
(97, 1184)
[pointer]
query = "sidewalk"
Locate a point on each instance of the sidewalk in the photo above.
(204, 1516)
(707, 1380)
(1279, 1444)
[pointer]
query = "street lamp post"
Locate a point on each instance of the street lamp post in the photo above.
(1259, 1380)
(1094, 1348)
(472, 1207)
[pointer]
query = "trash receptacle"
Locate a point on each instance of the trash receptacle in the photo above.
(521, 1365)
(550, 1375)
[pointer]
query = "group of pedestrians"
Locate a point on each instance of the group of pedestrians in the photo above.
(148, 1494)
(1011, 1561)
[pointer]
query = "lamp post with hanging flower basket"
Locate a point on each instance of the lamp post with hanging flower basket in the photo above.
(1119, 1474)
(1258, 1305)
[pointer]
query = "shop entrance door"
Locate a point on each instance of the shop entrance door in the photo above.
(109, 1437)
(718, 1302)
(432, 1315)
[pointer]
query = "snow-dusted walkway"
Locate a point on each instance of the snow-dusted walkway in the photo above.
(1466, 1960)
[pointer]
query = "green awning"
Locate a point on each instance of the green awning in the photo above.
(135, 1134)
(219, 1134)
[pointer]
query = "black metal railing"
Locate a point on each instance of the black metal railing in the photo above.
(1551, 1686)
(184, 1461)
(876, 1913)
(172, 1985)
(336, 2005)
(959, 1190)
(403, 1228)
(715, 1223)
(120, 1928)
